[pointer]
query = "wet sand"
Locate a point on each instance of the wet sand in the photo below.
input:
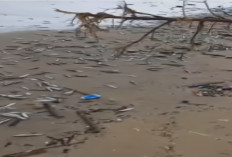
(147, 107)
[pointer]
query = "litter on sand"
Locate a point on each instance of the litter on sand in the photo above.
(91, 96)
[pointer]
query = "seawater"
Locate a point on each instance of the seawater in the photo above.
(24, 15)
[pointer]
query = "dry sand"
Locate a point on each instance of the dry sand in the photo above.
(167, 118)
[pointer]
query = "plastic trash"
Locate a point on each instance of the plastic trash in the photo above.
(91, 96)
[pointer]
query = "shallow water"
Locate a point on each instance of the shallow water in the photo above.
(18, 15)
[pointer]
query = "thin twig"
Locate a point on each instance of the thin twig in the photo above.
(199, 28)
(183, 8)
(210, 10)
(121, 50)
(211, 27)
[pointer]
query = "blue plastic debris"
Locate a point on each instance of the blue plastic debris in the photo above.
(91, 96)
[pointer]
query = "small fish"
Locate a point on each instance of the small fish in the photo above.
(23, 87)
(13, 96)
(27, 135)
(133, 82)
(16, 97)
(48, 99)
(23, 76)
(9, 106)
(111, 86)
(51, 89)
(49, 84)
(7, 83)
(33, 79)
(18, 115)
(4, 121)
(69, 92)
(126, 109)
(67, 75)
(132, 75)
(49, 77)
(24, 114)
(111, 71)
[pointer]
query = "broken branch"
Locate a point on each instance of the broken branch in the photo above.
(93, 128)
(91, 21)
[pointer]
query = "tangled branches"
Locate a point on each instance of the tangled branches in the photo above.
(91, 22)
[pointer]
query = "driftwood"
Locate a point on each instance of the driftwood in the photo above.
(92, 127)
(39, 151)
(91, 22)
(52, 110)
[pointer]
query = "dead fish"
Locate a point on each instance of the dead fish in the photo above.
(24, 114)
(16, 96)
(49, 77)
(39, 50)
(154, 69)
(7, 83)
(51, 89)
(33, 79)
(4, 121)
(105, 64)
(13, 96)
(23, 87)
(34, 68)
(80, 75)
(126, 109)
(71, 70)
(111, 86)
(39, 84)
(69, 92)
(27, 135)
(132, 75)
(18, 115)
(173, 64)
(28, 93)
(23, 76)
(48, 99)
(67, 75)
(110, 71)
(49, 84)
(89, 67)
(133, 82)
(9, 106)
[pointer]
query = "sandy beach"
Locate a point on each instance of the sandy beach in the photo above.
(160, 99)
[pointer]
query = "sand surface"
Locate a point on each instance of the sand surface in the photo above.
(147, 107)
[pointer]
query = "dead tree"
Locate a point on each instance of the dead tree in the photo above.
(91, 22)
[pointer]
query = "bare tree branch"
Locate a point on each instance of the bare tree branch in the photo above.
(122, 49)
(183, 8)
(91, 22)
(199, 28)
(211, 27)
(210, 10)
